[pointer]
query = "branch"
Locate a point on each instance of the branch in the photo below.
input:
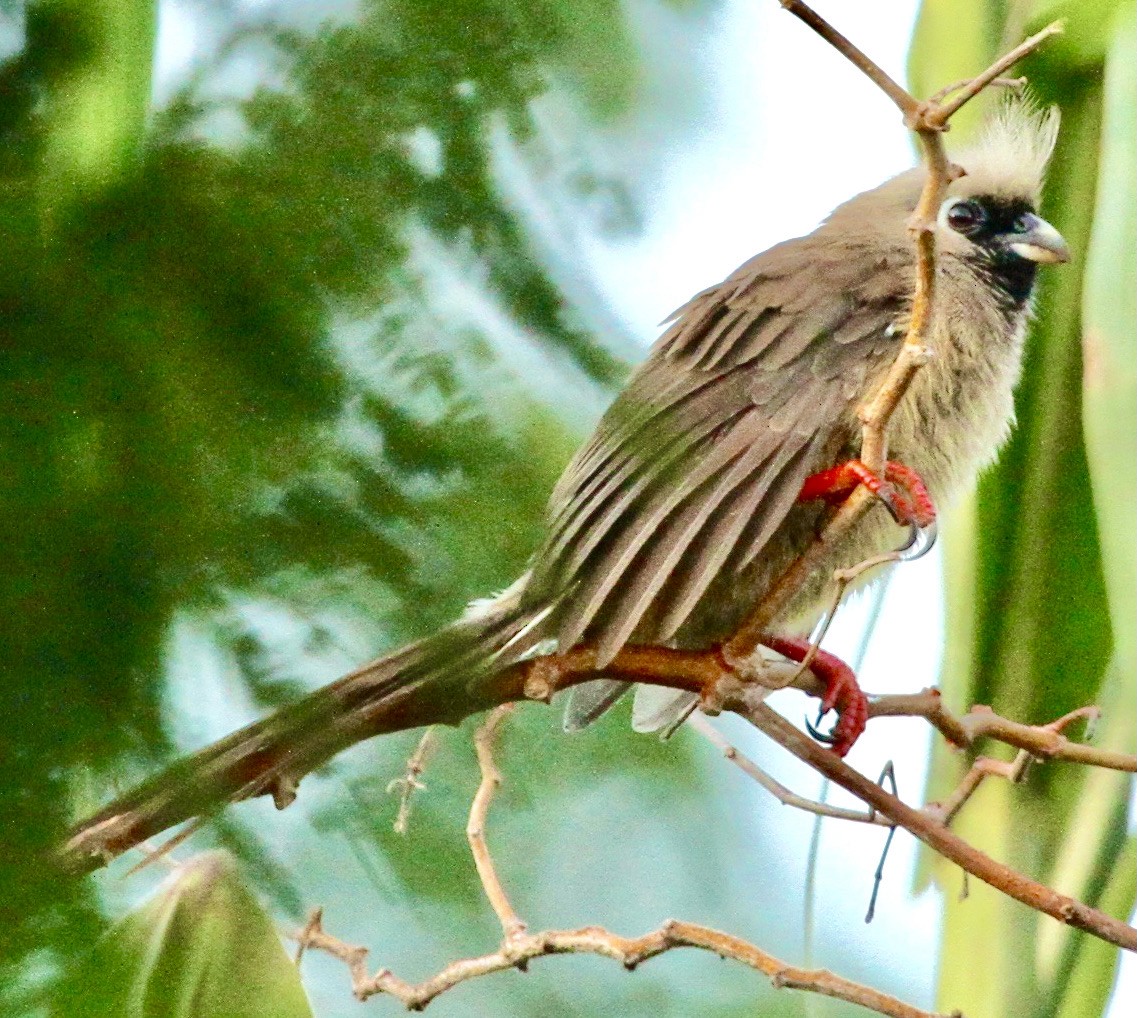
(519, 947)
(410, 782)
(699, 723)
(628, 951)
(933, 833)
(941, 114)
(1043, 742)
(906, 102)
(592, 940)
(511, 926)
(929, 120)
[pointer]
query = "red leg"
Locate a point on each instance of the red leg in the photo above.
(912, 505)
(841, 689)
(924, 509)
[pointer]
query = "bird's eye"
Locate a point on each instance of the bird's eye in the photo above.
(966, 216)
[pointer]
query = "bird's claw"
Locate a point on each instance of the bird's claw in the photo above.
(921, 540)
(900, 489)
(813, 728)
(841, 692)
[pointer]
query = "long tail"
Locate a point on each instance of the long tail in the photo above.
(441, 679)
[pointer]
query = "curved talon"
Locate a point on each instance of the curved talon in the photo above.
(841, 693)
(921, 540)
(827, 737)
(899, 508)
(910, 542)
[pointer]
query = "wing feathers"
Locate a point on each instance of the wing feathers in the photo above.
(633, 531)
(696, 466)
(670, 542)
(710, 552)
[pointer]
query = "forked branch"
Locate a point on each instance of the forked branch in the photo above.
(518, 946)
(929, 119)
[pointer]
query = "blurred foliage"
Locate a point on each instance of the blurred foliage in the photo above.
(1041, 572)
(243, 412)
(202, 947)
(287, 380)
(184, 411)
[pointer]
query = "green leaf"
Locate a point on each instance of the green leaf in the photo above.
(1038, 560)
(1092, 979)
(201, 948)
(1110, 312)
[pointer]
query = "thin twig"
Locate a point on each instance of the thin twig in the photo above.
(1045, 742)
(841, 580)
(983, 767)
(511, 924)
(411, 781)
(955, 86)
(161, 853)
(933, 833)
(889, 775)
(628, 951)
(969, 91)
(699, 723)
(312, 926)
(907, 103)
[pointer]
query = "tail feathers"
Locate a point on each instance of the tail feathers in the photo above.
(434, 680)
(590, 700)
(655, 708)
(659, 709)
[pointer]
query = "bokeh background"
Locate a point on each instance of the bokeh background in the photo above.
(304, 306)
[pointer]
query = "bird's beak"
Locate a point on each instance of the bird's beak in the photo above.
(1040, 243)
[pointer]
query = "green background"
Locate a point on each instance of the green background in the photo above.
(243, 434)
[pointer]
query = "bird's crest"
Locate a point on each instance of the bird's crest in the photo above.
(1011, 154)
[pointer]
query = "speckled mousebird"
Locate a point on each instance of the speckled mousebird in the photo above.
(717, 464)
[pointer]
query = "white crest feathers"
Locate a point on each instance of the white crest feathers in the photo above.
(1011, 155)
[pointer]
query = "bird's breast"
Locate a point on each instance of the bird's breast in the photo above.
(960, 408)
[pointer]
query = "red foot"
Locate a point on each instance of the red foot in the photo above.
(913, 504)
(841, 689)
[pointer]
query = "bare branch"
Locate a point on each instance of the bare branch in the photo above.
(1045, 742)
(904, 100)
(933, 833)
(699, 723)
(628, 951)
(984, 767)
(511, 925)
(1011, 83)
(518, 947)
(992, 75)
(411, 781)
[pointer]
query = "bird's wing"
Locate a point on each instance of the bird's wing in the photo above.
(700, 459)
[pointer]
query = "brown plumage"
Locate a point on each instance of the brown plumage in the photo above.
(672, 521)
(679, 513)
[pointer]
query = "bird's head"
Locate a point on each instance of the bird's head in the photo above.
(990, 216)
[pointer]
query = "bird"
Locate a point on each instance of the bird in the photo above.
(717, 465)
